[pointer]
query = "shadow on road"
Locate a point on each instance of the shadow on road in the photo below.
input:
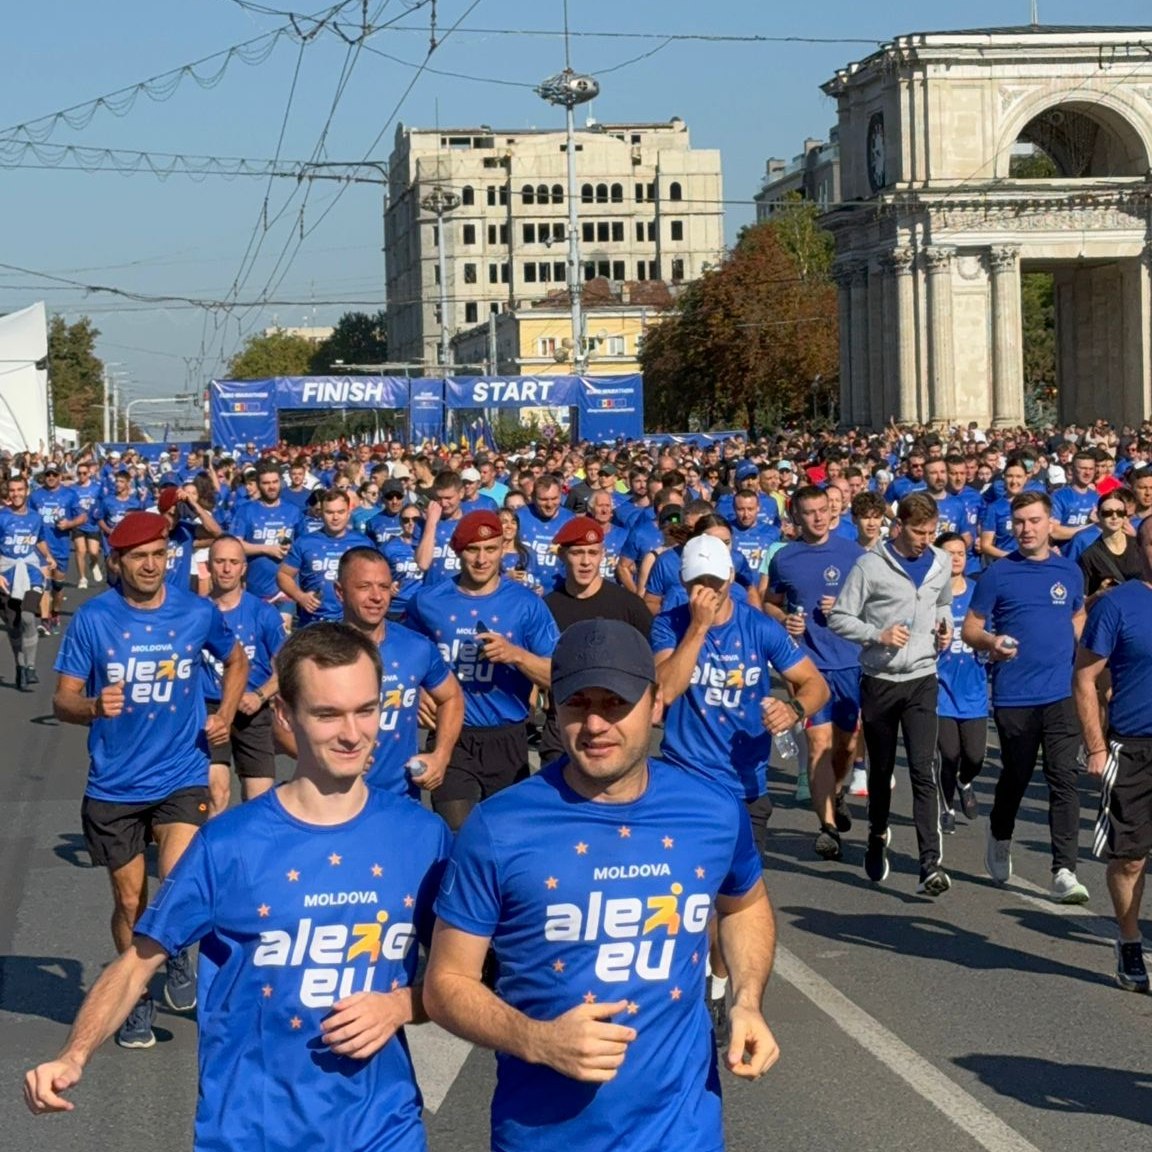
(47, 986)
(72, 850)
(1071, 1088)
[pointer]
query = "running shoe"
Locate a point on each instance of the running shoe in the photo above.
(968, 804)
(998, 858)
(718, 1011)
(97, 575)
(827, 844)
(44, 628)
(1131, 974)
(55, 625)
(82, 582)
(21, 679)
(947, 821)
(842, 815)
(934, 881)
(803, 792)
(858, 784)
(1066, 889)
(180, 982)
(136, 1031)
(876, 856)
(31, 676)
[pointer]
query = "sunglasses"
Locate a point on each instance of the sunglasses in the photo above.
(1110, 512)
(409, 519)
(393, 495)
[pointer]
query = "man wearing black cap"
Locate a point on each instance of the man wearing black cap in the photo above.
(129, 669)
(385, 525)
(594, 883)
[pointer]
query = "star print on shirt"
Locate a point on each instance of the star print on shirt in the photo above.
(264, 910)
(633, 1007)
(551, 882)
(668, 842)
(625, 831)
(699, 873)
(296, 1022)
(377, 870)
(675, 993)
(335, 859)
(292, 875)
(581, 849)
(589, 997)
(408, 901)
(267, 991)
(557, 965)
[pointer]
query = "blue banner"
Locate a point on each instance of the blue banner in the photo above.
(426, 411)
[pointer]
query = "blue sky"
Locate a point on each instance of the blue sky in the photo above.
(179, 237)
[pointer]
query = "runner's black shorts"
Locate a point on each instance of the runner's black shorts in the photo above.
(1130, 802)
(250, 747)
(485, 761)
(117, 833)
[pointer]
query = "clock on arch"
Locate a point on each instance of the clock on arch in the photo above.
(877, 153)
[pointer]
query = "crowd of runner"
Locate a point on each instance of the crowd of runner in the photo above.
(409, 624)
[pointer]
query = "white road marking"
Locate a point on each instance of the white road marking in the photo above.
(959, 1106)
(438, 1056)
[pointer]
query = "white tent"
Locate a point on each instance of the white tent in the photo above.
(23, 385)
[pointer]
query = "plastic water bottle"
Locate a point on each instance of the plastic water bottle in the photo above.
(1009, 642)
(798, 612)
(785, 746)
(416, 768)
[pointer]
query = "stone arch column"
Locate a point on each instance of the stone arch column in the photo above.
(901, 334)
(841, 274)
(1007, 342)
(859, 341)
(941, 366)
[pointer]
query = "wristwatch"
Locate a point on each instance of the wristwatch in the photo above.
(798, 708)
(259, 694)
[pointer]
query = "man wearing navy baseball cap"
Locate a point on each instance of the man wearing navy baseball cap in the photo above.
(602, 991)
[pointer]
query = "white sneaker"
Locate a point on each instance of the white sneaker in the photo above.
(1066, 889)
(998, 859)
(97, 575)
(858, 784)
(82, 582)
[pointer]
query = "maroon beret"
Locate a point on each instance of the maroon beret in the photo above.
(476, 526)
(579, 530)
(169, 498)
(137, 529)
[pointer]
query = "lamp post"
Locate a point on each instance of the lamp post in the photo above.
(440, 201)
(568, 88)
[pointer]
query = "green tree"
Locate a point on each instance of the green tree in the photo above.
(275, 354)
(76, 376)
(357, 338)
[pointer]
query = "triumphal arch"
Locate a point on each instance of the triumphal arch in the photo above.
(935, 229)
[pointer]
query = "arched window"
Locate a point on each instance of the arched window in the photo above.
(557, 193)
(617, 193)
(675, 192)
(467, 195)
(542, 194)
(586, 194)
(528, 194)
(601, 193)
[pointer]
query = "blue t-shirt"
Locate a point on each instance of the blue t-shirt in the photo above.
(495, 695)
(587, 902)
(156, 746)
(407, 579)
(664, 576)
(316, 558)
(752, 543)
(901, 487)
(482, 503)
(1119, 628)
(88, 497)
(1080, 543)
(963, 680)
(445, 563)
(804, 574)
(292, 917)
(1034, 602)
(19, 535)
(1074, 509)
(615, 540)
(953, 515)
(112, 509)
(916, 567)
(411, 662)
(181, 545)
(260, 632)
(255, 522)
(298, 497)
(383, 526)
(641, 539)
(538, 534)
(54, 506)
(715, 728)
(997, 519)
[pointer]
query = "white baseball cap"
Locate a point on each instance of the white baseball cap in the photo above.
(470, 476)
(705, 556)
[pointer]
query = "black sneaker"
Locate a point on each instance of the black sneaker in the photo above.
(827, 844)
(840, 811)
(180, 982)
(21, 678)
(31, 676)
(876, 856)
(968, 804)
(934, 881)
(1131, 974)
(136, 1031)
(718, 1011)
(947, 821)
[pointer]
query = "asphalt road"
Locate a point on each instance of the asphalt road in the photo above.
(985, 1020)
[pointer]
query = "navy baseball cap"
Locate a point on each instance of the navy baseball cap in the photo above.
(746, 470)
(606, 654)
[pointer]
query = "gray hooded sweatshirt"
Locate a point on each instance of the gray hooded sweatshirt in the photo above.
(878, 593)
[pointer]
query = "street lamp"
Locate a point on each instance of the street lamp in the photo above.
(569, 88)
(440, 201)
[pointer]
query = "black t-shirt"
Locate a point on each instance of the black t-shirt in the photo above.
(1099, 563)
(611, 603)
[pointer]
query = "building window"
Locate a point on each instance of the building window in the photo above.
(546, 346)
(544, 271)
(528, 231)
(650, 192)
(469, 273)
(469, 233)
(587, 195)
(675, 192)
(653, 274)
(490, 193)
(435, 273)
(640, 231)
(618, 272)
(618, 231)
(601, 193)
(493, 274)
(435, 234)
(557, 194)
(542, 194)
(529, 273)
(559, 271)
(602, 232)
(491, 233)
(641, 270)
(558, 231)
(604, 269)
(635, 137)
(617, 193)
(588, 231)
(493, 308)
(677, 232)
(651, 229)
(589, 270)
(505, 272)
(527, 194)
(467, 195)
(471, 315)
(617, 346)
(678, 269)
(639, 193)
(503, 195)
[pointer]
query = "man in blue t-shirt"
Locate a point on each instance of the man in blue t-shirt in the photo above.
(308, 904)
(114, 506)
(539, 523)
(1027, 613)
(434, 554)
(497, 636)
(615, 537)
(412, 666)
(307, 574)
(60, 510)
(804, 579)
(996, 536)
(1118, 637)
(750, 537)
(87, 535)
(260, 632)
(1074, 505)
(128, 670)
(594, 884)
